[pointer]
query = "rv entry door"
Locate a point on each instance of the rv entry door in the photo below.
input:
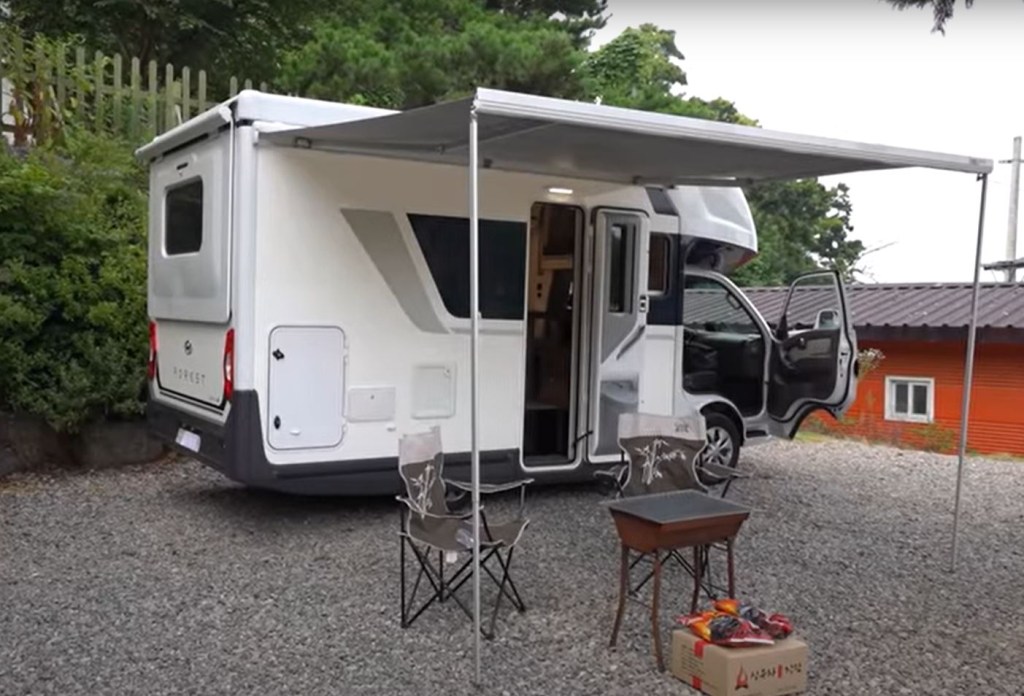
(811, 364)
(619, 302)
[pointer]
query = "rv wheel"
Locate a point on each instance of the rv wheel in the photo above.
(456, 498)
(723, 447)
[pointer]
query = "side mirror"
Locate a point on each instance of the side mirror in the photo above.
(827, 319)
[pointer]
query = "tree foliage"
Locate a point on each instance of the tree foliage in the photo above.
(942, 10)
(578, 17)
(408, 53)
(221, 36)
(802, 225)
(73, 335)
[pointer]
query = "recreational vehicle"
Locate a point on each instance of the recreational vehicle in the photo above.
(310, 305)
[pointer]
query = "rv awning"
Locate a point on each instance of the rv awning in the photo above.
(526, 133)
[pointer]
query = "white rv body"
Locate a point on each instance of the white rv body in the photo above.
(307, 309)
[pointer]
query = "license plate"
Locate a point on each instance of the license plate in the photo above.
(188, 439)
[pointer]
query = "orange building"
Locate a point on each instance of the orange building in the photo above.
(912, 396)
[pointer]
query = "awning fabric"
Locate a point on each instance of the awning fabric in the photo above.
(557, 137)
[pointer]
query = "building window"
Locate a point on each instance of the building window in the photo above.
(444, 242)
(658, 264)
(183, 218)
(910, 399)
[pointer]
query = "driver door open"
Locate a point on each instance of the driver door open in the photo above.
(811, 365)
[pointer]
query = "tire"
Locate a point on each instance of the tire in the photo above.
(457, 499)
(723, 447)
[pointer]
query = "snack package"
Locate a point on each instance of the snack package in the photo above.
(775, 625)
(725, 630)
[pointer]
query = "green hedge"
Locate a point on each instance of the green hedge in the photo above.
(73, 336)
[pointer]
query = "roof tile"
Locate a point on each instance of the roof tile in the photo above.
(920, 305)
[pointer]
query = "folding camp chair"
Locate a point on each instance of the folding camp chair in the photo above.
(429, 526)
(660, 454)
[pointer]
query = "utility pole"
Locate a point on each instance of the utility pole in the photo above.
(1011, 232)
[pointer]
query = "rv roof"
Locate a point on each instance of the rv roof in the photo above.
(526, 133)
(251, 105)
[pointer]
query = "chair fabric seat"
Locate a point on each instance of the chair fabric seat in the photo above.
(428, 522)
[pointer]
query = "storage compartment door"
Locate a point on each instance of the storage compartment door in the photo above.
(306, 387)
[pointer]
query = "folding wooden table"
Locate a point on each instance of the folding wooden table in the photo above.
(663, 522)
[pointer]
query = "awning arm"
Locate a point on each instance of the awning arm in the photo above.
(965, 408)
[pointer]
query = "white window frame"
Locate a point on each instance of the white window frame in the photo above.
(890, 399)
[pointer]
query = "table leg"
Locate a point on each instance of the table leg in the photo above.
(623, 581)
(655, 624)
(732, 573)
(698, 571)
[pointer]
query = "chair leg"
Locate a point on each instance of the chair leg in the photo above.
(401, 555)
(506, 565)
(440, 565)
(649, 576)
(501, 592)
(696, 578)
(425, 570)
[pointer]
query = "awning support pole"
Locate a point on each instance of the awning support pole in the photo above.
(965, 407)
(474, 314)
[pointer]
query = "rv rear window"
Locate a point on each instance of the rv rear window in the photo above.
(183, 218)
(445, 245)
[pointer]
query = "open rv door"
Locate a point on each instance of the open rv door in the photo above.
(813, 351)
(620, 248)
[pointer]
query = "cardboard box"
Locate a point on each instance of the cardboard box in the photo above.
(774, 670)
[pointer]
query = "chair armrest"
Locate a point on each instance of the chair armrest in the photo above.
(723, 471)
(616, 472)
(488, 487)
(412, 508)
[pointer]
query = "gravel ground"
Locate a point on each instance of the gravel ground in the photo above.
(170, 580)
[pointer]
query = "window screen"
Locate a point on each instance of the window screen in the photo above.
(183, 218)
(445, 245)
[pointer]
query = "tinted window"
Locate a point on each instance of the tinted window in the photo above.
(620, 268)
(183, 218)
(710, 306)
(658, 265)
(445, 245)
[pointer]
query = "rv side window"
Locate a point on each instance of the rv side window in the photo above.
(620, 269)
(710, 306)
(183, 218)
(444, 242)
(658, 264)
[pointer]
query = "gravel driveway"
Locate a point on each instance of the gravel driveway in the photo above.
(170, 580)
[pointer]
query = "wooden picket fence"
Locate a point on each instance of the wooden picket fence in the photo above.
(50, 84)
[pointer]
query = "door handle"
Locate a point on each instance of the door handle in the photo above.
(632, 339)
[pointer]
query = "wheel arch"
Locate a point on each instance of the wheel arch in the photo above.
(729, 411)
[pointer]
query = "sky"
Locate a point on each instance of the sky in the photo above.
(861, 70)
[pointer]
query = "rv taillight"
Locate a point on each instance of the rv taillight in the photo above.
(229, 364)
(151, 368)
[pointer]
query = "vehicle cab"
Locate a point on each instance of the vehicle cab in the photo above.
(754, 380)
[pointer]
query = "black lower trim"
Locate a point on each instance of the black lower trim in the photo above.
(236, 450)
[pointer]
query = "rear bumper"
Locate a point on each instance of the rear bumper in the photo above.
(235, 449)
(165, 421)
